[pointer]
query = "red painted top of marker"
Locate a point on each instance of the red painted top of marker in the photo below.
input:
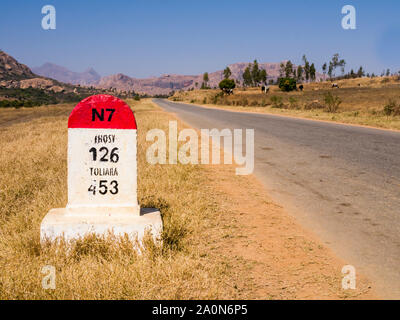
(102, 111)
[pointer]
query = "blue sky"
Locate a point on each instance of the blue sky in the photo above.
(150, 38)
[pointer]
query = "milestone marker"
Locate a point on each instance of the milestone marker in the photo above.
(102, 175)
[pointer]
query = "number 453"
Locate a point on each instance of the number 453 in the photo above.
(104, 187)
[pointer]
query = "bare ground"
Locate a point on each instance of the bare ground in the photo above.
(285, 261)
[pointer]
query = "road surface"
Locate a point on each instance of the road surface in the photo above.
(340, 181)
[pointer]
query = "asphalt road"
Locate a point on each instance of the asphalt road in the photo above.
(340, 181)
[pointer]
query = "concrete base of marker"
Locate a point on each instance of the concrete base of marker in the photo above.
(69, 225)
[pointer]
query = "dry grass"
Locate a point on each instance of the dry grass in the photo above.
(33, 180)
(362, 104)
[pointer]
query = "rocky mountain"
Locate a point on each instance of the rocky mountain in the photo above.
(20, 87)
(152, 86)
(51, 70)
(11, 69)
(15, 75)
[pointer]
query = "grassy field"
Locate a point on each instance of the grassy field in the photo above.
(210, 249)
(362, 101)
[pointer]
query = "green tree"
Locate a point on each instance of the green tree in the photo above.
(312, 72)
(360, 72)
(247, 79)
(255, 73)
(227, 86)
(288, 69)
(324, 68)
(299, 73)
(337, 62)
(281, 70)
(227, 73)
(306, 67)
(205, 79)
(263, 76)
(330, 70)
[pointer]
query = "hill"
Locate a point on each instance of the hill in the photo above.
(51, 70)
(20, 87)
(11, 69)
(174, 82)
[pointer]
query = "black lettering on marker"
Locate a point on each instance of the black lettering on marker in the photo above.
(96, 113)
(111, 114)
(100, 116)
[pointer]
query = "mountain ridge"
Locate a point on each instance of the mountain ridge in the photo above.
(173, 82)
(60, 73)
(12, 70)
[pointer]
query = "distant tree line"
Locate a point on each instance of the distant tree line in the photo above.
(32, 97)
(253, 76)
(290, 74)
(307, 72)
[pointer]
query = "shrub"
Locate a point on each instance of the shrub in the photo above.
(391, 108)
(263, 103)
(216, 98)
(287, 84)
(204, 100)
(227, 86)
(313, 105)
(293, 103)
(332, 102)
(276, 102)
(244, 102)
(136, 97)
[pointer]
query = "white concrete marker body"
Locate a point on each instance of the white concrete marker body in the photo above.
(113, 181)
(102, 176)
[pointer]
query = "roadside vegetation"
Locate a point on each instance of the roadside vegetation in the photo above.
(355, 97)
(34, 97)
(365, 101)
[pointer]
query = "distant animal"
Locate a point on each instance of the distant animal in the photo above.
(335, 85)
(301, 87)
(265, 89)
